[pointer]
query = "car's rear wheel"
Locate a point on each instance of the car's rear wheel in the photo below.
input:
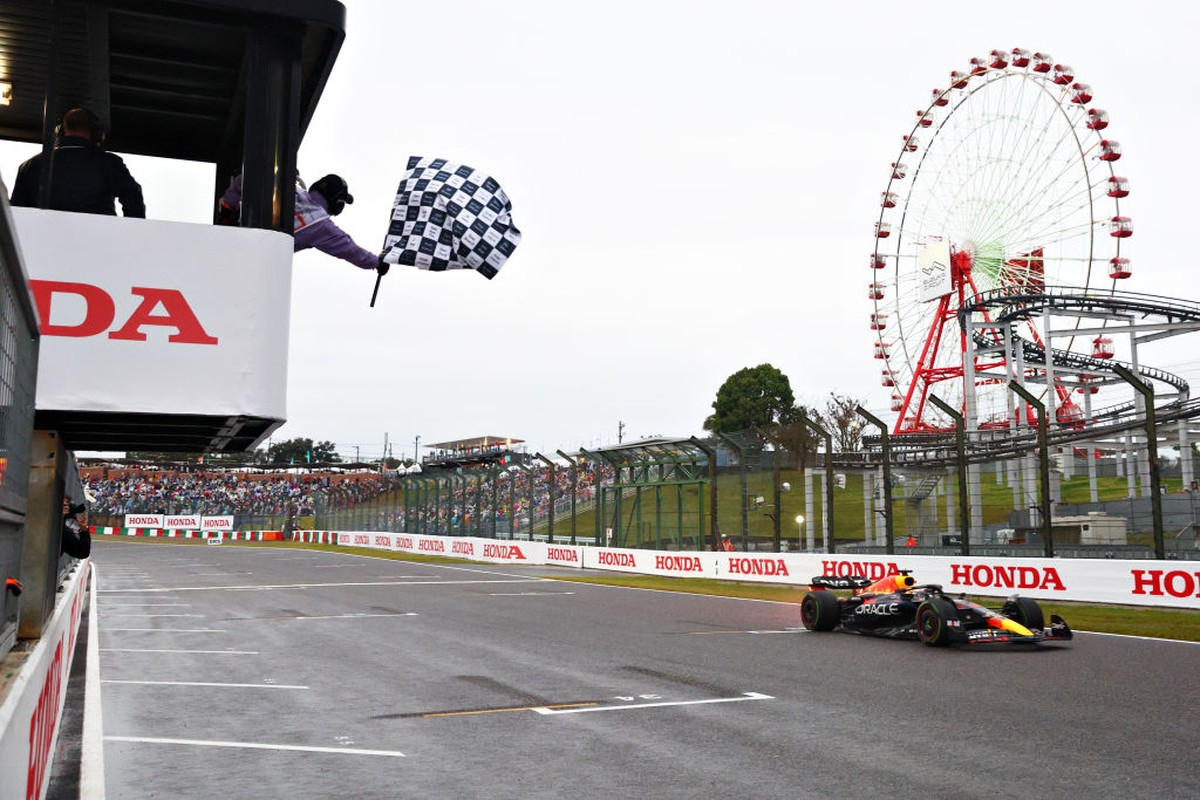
(933, 621)
(819, 610)
(1027, 612)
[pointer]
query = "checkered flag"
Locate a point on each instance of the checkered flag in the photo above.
(449, 216)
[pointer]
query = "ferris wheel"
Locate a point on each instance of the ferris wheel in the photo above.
(1005, 181)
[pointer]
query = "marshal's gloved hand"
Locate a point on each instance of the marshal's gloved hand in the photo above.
(382, 267)
(227, 215)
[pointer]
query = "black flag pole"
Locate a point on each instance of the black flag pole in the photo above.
(378, 278)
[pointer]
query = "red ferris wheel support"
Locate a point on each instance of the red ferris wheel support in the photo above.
(1024, 273)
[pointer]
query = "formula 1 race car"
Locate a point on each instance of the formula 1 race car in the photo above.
(896, 608)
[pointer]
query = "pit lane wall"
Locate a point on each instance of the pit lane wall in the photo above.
(1174, 584)
(33, 705)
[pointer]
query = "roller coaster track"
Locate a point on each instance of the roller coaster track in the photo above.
(1161, 315)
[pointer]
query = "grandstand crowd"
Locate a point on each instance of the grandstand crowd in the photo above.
(133, 491)
(506, 498)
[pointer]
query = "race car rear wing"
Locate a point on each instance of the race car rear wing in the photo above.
(854, 582)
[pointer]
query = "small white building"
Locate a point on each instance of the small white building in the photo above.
(1095, 527)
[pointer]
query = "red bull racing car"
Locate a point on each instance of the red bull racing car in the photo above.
(896, 608)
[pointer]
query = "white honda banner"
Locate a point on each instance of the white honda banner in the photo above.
(144, 520)
(158, 317)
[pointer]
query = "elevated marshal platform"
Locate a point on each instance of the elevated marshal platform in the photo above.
(157, 335)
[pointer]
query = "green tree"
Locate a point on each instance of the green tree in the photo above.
(301, 451)
(752, 397)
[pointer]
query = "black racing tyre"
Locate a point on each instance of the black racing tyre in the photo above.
(819, 610)
(1027, 612)
(933, 618)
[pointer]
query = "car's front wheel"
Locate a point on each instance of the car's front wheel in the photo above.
(819, 610)
(1027, 612)
(933, 621)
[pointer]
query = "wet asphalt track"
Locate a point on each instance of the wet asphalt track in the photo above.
(235, 672)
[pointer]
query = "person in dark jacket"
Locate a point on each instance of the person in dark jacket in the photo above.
(76, 534)
(84, 178)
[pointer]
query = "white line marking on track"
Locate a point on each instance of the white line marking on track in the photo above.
(147, 605)
(164, 630)
(357, 616)
(526, 594)
(207, 683)
(91, 760)
(1142, 638)
(107, 615)
(746, 696)
(198, 652)
(269, 587)
(255, 746)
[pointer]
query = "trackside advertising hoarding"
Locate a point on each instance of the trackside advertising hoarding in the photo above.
(180, 522)
(145, 521)
(32, 709)
(472, 549)
(1151, 583)
(158, 317)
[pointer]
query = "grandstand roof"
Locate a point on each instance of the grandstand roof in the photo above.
(168, 77)
(475, 443)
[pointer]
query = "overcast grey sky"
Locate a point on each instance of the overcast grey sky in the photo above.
(696, 184)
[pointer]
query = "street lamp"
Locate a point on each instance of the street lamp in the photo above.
(799, 532)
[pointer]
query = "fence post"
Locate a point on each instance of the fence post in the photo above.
(1147, 392)
(1043, 440)
(574, 490)
(960, 444)
(885, 445)
(714, 532)
(828, 437)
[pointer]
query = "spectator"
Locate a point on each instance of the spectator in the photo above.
(314, 225)
(76, 537)
(83, 177)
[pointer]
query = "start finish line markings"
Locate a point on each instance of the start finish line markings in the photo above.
(586, 706)
(547, 711)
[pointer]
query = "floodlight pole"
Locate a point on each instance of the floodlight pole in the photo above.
(960, 446)
(1043, 440)
(1146, 390)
